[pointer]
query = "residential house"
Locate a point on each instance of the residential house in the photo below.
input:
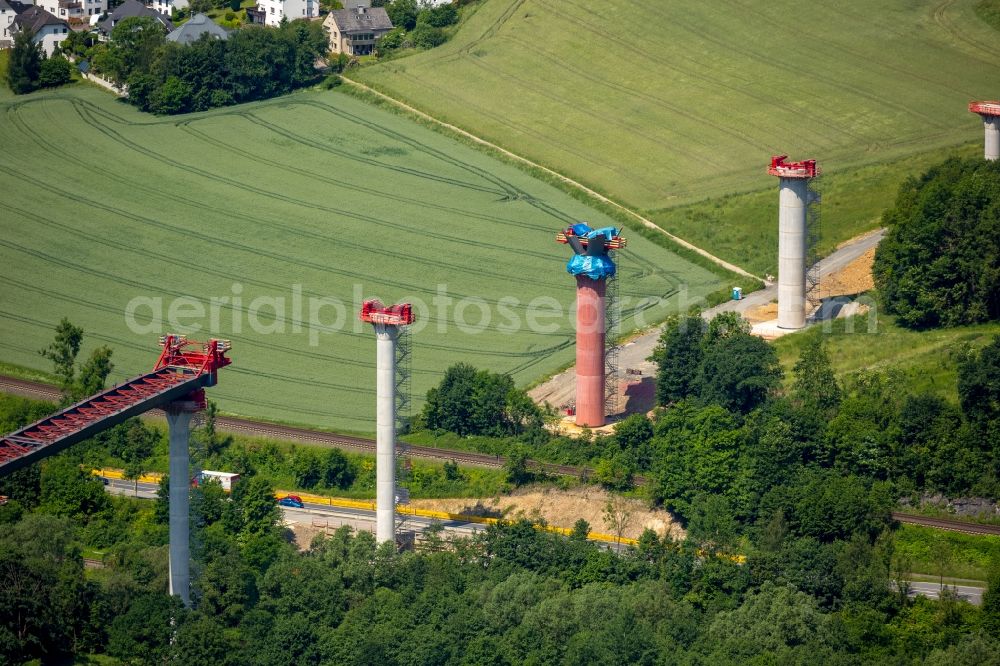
(271, 12)
(354, 31)
(73, 9)
(8, 10)
(128, 9)
(166, 7)
(196, 27)
(49, 30)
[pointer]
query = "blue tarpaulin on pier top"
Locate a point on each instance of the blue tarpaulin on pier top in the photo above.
(596, 267)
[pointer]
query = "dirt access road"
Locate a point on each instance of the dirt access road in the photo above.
(559, 390)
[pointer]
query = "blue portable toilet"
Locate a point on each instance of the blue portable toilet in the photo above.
(737, 293)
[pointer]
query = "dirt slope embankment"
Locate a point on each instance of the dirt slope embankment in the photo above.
(561, 508)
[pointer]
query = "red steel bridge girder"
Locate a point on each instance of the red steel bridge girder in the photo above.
(182, 372)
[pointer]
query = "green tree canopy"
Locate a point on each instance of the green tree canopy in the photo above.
(25, 64)
(939, 264)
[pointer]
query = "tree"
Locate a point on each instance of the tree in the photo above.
(133, 442)
(815, 386)
(617, 516)
(338, 472)
(979, 392)
(306, 468)
(144, 633)
(207, 437)
(254, 507)
(201, 640)
(516, 467)
(43, 596)
(25, 64)
(94, 373)
(678, 356)
(774, 618)
(403, 13)
(67, 490)
(134, 44)
(55, 71)
(939, 263)
(440, 16)
(172, 97)
(62, 352)
(711, 523)
(738, 372)
(480, 402)
(991, 600)
(614, 473)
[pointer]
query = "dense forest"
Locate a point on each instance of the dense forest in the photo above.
(510, 595)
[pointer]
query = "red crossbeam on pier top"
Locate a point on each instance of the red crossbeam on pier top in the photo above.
(804, 169)
(985, 108)
(374, 312)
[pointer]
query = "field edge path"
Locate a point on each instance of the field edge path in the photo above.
(649, 224)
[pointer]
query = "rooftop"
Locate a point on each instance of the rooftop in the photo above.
(35, 18)
(361, 19)
(199, 25)
(128, 9)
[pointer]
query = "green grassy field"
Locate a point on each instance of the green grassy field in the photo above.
(666, 103)
(927, 359)
(934, 552)
(310, 196)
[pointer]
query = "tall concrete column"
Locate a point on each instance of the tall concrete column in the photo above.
(590, 330)
(385, 433)
(179, 422)
(794, 201)
(991, 125)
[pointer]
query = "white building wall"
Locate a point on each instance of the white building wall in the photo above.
(275, 10)
(165, 6)
(87, 8)
(6, 19)
(50, 37)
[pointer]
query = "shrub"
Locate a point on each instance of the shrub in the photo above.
(427, 36)
(55, 71)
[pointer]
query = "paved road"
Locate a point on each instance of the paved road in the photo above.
(559, 390)
(327, 517)
(974, 595)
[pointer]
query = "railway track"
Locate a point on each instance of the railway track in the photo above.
(240, 426)
(947, 524)
(305, 435)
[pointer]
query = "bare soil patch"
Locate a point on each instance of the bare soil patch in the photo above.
(561, 508)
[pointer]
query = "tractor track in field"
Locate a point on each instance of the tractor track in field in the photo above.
(515, 193)
(940, 16)
(651, 270)
(801, 29)
(714, 83)
(264, 223)
(778, 63)
(204, 174)
(672, 65)
(339, 242)
(703, 151)
(366, 218)
(565, 179)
